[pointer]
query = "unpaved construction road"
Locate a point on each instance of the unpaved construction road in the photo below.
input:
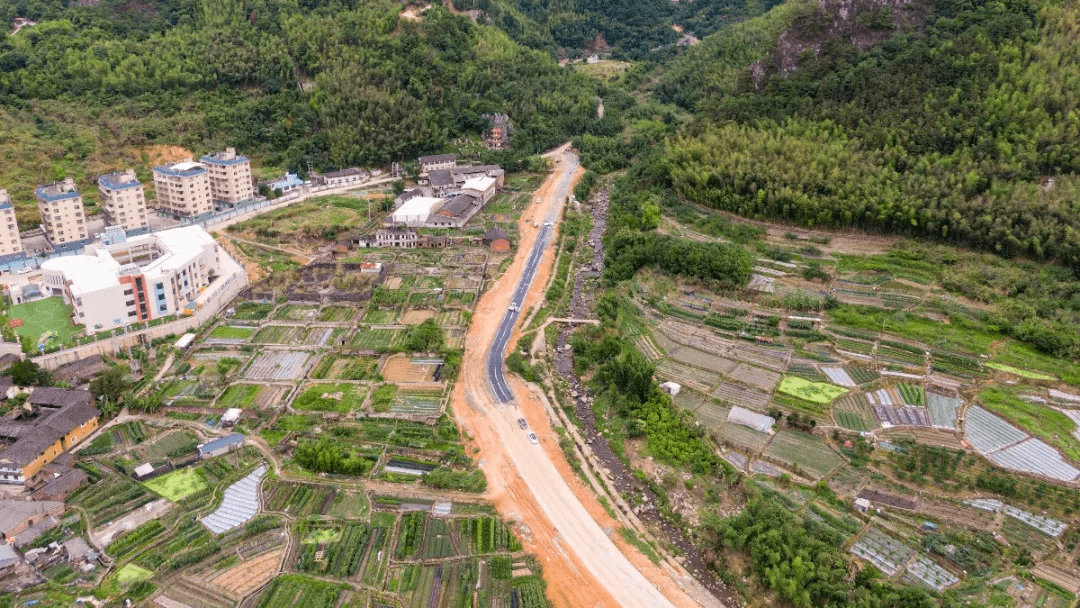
(559, 518)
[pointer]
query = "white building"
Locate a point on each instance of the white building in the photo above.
(437, 161)
(481, 187)
(230, 176)
(62, 215)
(10, 243)
(136, 279)
(183, 189)
(414, 212)
(123, 201)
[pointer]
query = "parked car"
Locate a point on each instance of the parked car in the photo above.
(523, 423)
(533, 438)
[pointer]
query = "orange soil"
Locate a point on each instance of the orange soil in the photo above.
(569, 583)
(246, 577)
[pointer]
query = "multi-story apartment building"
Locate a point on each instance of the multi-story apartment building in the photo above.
(62, 213)
(230, 177)
(183, 189)
(123, 201)
(121, 280)
(9, 228)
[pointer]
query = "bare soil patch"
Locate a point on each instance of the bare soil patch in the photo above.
(400, 368)
(248, 576)
(417, 316)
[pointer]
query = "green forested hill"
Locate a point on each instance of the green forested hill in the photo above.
(297, 83)
(963, 130)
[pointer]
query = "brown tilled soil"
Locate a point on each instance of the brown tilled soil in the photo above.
(248, 576)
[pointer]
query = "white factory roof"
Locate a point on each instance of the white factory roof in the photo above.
(416, 209)
(480, 183)
(183, 244)
(86, 272)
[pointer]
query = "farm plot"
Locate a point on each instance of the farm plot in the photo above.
(111, 497)
(455, 337)
(167, 445)
(376, 556)
(809, 453)
(294, 312)
(861, 375)
(1023, 535)
(900, 357)
(405, 368)
(883, 551)
(806, 372)
(693, 378)
(291, 590)
(248, 576)
(854, 413)
(911, 394)
(744, 438)
(1034, 456)
(925, 435)
(179, 484)
(754, 376)
(711, 415)
(252, 311)
(701, 359)
(943, 410)
(976, 519)
(1046, 525)
(336, 366)
(278, 365)
(774, 358)
(337, 313)
(279, 334)
(837, 375)
(334, 551)
(342, 398)
(416, 402)
(814, 392)
(437, 540)
(380, 339)
(227, 334)
(925, 571)
(417, 316)
(891, 415)
(298, 499)
(989, 433)
(688, 400)
(735, 394)
(186, 592)
(321, 336)
(690, 335)
(450, 318)
(380, 316)
(488, 534)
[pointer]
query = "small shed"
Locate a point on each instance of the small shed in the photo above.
(862, 505)
(143, 470)
(184, 341)
(78, 550)
(220, 445)
(231, 416)
(496, 239)
(671, 388)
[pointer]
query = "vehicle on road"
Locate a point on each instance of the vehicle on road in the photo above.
(533, 438)
(549, 224)
(513, 307)
(524, 424)
(25, 270)
(538, 199)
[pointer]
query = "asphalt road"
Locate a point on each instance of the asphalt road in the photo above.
(495, 363)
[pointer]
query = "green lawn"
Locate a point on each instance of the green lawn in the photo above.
(49, 314)
(239, 395)
(177, 485)
(815, 392)
(131, 574)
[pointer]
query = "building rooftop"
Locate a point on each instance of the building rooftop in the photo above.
(347, 172)
(58, 191)
(479, 184)
(494, 234)
(416, 210)
(457, 205)
(119, 181)
(182, 169)
(438, 158)
(5, 200)
(86, 272)
(226, 157)
(59, 397)
(221, 442)
(290, 180)
(14, 512)
(441, 177)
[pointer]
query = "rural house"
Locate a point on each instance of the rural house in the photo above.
(61, 419)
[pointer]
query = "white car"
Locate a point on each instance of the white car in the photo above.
(533, 438)
(513, 307)
(549, 224)
(24, 270)
(538, 199)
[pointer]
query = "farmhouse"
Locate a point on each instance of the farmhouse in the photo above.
(344, 177)
(221, 445)
(62, 418)
(16, 516)
(496, 239)
(436, 162)
(397, 237)
(441, 182)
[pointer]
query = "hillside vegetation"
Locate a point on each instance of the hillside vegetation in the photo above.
(960, 127)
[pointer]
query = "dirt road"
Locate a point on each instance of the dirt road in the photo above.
(560, 520)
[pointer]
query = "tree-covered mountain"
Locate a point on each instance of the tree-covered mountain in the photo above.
(954, 120)
(303, 84)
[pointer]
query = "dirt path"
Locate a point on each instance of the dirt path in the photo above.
(559, 518)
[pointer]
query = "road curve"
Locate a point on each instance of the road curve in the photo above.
(495, 364)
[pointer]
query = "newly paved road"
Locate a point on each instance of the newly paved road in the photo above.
(495, 363)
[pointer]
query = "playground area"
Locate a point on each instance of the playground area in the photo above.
(41, 316)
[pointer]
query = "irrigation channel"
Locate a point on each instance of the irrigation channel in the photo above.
(582, 306)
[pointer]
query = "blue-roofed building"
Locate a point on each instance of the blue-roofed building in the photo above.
(62, 215)
(123, 201)
(183, 189)
(221, 445)
(290, 182)
(10, 243)
(230, 176)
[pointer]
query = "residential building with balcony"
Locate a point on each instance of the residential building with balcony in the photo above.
(10, 243)
(183, 189)
(123, 201)
(62, 214)
(230, 177)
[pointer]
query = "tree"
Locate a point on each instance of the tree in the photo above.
(110, 385)
(424, 338)
(28, 373)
